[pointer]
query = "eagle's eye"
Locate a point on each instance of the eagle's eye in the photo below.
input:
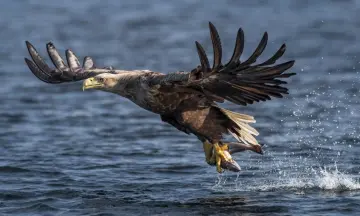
(101, 79)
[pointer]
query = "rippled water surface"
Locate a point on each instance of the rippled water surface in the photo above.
(68, 152)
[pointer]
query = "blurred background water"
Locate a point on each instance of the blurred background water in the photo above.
(68, 152)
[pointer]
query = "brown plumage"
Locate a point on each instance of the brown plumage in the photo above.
(186, 100)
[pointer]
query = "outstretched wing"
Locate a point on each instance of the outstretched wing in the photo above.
(240, 82)
(62, 72)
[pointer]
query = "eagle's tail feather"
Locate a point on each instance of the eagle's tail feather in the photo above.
(240, 128)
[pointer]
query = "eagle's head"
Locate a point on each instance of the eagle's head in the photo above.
(121, 83)
(104, 81)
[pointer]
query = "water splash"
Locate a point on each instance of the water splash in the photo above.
(336, 180)
(322, 179)
(220, 182)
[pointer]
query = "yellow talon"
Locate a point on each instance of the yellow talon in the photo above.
(219, 155)
(222, 155)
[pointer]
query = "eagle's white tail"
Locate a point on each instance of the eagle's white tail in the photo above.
(243, 132)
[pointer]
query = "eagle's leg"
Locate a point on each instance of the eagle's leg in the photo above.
(209, 153)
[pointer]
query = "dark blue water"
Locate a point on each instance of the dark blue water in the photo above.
(68, 152)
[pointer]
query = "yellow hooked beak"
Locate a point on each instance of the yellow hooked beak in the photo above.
(91, 83)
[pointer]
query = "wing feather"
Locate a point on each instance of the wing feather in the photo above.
(88, 63)
(241, 82)
(275, 57)
(55, 57)
(40, 63)
(238, 50)
(238, 82)
(62, 72)
(203, 58)
(215, 38)
(258, 51)
(72, 60)
(39, 73)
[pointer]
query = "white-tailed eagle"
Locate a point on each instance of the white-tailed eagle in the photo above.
(189, 101)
